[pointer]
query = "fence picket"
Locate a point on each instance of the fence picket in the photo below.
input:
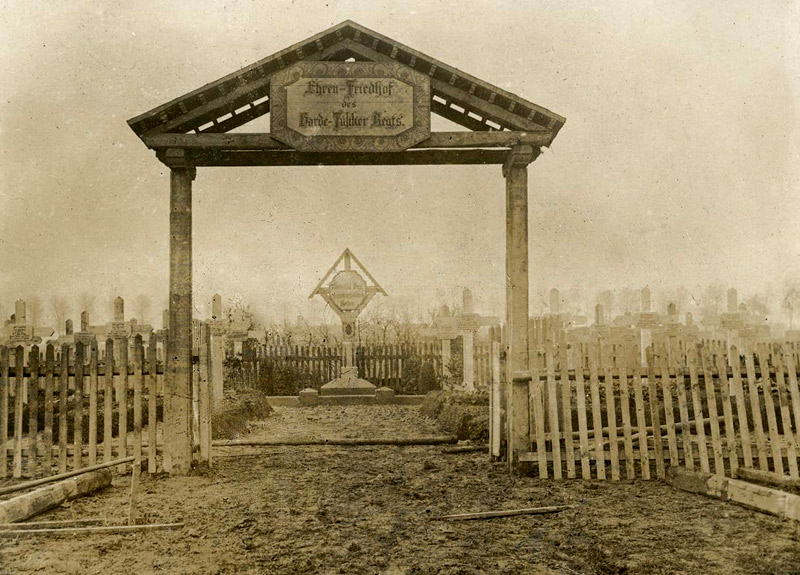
(552, 391)
(566, 409)
(755, 410)
(33, 409)
(63, 393)
(77, 409)
(697, 411)
(19, 372)
(583, 432)
(108, 407)
(786, 418)
(93, 405)
(641, 422)
(711, 402)
(730, 432)
(138, 380)
(667, 383)
(794, 391)
(597, 416)
(537, 398)
(3, 411)
(122, 397)
(611, 411)
(769, 405)
(152, 384)
(655, 419)
(741, 407)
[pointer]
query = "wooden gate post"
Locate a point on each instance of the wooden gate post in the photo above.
(178, 388)
(515, 171)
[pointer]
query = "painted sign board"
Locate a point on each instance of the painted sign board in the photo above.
(347, 290)
(350, 107)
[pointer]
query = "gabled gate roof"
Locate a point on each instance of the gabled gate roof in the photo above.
(238, 98)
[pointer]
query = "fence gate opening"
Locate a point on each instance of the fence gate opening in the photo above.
(346, 96)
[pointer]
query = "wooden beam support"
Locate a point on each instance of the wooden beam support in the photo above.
(515, 171)
(252, 158)
(178, 384)
(259, 142)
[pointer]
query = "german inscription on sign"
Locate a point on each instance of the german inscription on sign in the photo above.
(350, 107)
(348, 290)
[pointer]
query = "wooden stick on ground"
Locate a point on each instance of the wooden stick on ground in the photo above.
(434, 440)
(507, 513)
(88, 530)
(60, 476)
(466, 449)
(61, 523)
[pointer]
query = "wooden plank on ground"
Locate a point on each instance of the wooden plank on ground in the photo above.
(697, 410)
(597, 416)
(641, 422)
(49, 386)
(741, 407)
(625, 403)
(566, 408)
(769, 405)
(711, 402)
(552, 391)
(758, 497)
(655, 418)
(730, 432)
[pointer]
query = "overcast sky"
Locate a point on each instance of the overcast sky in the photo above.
(678, 163)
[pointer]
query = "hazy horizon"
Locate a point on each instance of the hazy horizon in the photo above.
(677, 166)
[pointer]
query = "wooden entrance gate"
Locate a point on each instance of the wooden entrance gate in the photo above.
(194, 131)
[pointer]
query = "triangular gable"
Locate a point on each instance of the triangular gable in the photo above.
(238, 98)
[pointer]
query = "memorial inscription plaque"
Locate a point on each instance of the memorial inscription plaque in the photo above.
(350, 107)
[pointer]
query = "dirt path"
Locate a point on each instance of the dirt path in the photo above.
(368, 509)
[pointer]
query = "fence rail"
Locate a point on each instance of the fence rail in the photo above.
(597, 418)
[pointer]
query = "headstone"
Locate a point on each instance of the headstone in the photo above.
(84, 321)
(733, 301)
(646, 299)
(555, 301)
(68, 327)
(119, 310)
(599, 314)
(216, 307)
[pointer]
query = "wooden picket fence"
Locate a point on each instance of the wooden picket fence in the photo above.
(75, 406)
(712, 409)
(382, 365)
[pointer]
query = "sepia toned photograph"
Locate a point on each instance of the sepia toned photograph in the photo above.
(408, 288)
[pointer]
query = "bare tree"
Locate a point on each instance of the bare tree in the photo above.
(791, 298)
(60, 309)
(142, 303)
(86, 302)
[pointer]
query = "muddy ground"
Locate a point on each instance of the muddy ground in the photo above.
(371, 509)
